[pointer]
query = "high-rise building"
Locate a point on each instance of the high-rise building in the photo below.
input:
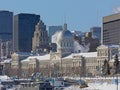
(40, 39)
(111, 29)
(79, 36)
(88, 34)
(6, 25)
(6, 49)
(24, 27)
(92, 42)
(96, 32)
(53, 29)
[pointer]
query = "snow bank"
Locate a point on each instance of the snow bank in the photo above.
(94, 86)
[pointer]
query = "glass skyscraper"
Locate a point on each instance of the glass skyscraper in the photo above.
(6, 25)
(96, 32)
(24, 27)
(52, 30)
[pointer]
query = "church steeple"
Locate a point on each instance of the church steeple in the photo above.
(65, 26)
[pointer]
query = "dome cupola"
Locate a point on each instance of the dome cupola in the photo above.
(64, 41)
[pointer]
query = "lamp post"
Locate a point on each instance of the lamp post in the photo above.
(79, 70)
(61, 64)
(1, 68)
(61, 67)
(117, 82)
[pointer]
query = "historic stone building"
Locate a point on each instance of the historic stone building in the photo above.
(16, 62)
(79, 64)
(40, 39)
(106, 52)
(64, 41)
(64, 62)
(74, 64)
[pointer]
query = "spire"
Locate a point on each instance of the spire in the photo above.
(65, 26)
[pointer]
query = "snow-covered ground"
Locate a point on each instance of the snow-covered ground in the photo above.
(98, 84)
(95, 86)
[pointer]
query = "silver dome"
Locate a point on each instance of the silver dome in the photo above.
(65, 34)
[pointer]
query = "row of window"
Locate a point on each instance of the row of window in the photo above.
(66, 44)
(44, 39)
(102, 53)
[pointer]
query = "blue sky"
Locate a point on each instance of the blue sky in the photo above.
(79, 14)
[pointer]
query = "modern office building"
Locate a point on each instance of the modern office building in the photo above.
(6, 25)
(53, 29)
(24, 27)
(111, 29)
(96, 32)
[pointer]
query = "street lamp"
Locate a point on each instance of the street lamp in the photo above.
(61, 68)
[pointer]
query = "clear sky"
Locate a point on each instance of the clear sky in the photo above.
(79, 14)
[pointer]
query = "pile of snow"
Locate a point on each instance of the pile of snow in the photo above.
(79, 48)
(94, 86)
(4, 77)
(40, 57)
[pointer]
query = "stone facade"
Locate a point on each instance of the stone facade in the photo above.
(105, 52)
(63, 62)
(91, 64)
(16, 62)
(53, 65)
(40, 39)
(75, 64)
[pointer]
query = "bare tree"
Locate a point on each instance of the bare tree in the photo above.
(105, 68)
(116, 65)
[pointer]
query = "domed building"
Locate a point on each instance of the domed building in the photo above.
(64, 41)
(63, 61)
